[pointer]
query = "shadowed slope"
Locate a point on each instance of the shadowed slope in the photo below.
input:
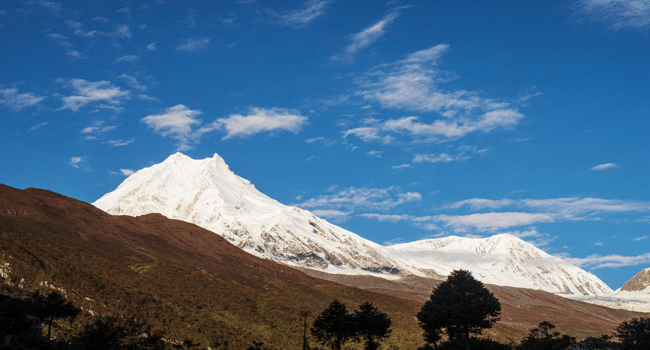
(180, 277)
(190, 281)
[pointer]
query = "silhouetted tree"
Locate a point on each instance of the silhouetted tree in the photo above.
(108, 333)
(595, 343)
(634, 334)
(13, 317)
(371, 325)
(460, 305)
(333, 327)
(52, 306)
(544, 338)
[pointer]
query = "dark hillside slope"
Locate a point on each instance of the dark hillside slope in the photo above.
(180, 277)
(190, 281)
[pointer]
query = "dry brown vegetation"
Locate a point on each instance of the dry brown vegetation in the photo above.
(191, 282)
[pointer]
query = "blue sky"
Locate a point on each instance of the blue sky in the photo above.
(397, 120)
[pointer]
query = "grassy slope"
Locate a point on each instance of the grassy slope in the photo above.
(189, 281)
(178, 276)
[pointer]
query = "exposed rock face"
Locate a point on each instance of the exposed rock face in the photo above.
(207, 193)
(639, 282)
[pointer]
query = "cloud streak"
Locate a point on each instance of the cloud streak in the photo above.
(302, 17)
(414, 84)
(260, 120)
(18, 101)
(89, 92)
(176, 122)
(597, 261)
(618, 14)
(366, 37)
(180, 123)
(352, 199)
(604, 166)
(193, 45)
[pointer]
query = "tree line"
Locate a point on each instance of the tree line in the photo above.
(458, 310)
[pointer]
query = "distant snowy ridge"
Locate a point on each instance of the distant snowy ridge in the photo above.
(207, 193)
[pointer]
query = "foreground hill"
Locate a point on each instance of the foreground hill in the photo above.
(189, 281)
(207, 193)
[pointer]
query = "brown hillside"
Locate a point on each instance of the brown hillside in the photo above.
(190, 281)
(180, 277)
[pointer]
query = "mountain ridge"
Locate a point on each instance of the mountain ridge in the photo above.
(207, 193)
(189, 281)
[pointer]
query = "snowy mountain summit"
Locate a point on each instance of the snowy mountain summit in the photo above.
(207, 193)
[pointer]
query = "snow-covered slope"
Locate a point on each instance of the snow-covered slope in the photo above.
(634, 295)
(502, 260)
(207, 193)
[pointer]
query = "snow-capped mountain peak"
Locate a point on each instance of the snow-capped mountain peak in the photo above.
(207, 193)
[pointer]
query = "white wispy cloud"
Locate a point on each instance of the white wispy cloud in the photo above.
(127, 172)
(191, 45)
(76, 26)
(152, 46)
(332, 214)
(60, 39)
(481, 203)
(401, 166)
(260, 120)
(511, 214)
(414, 84)
(75, 54)
(128, 58)
(101, 19)
(121, 31)
(144, 97)
(98, 127)
(388, 217)
(618, 14)
(39, 125)
(133, 82)
(320, 139)
(18, 101)
(375, 153)
(560, 208)
(361, 198)
(490, 221)
(437, 158)
(597, 261)
(366, 37)
(89, 92)
(604, 166)
(78, 162)
(179, 122)
(120, 142)
(176, 122)
(302, 17)
(124, 10)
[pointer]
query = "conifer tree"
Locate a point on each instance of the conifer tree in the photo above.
(634, 334)
(461, 305)
(333, 327)
(372, 326)
(52, 306)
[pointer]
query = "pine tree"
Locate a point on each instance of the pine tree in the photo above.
(372, 326)
(333, 327)
(52, 306)
(634, 334)
(461, 305)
